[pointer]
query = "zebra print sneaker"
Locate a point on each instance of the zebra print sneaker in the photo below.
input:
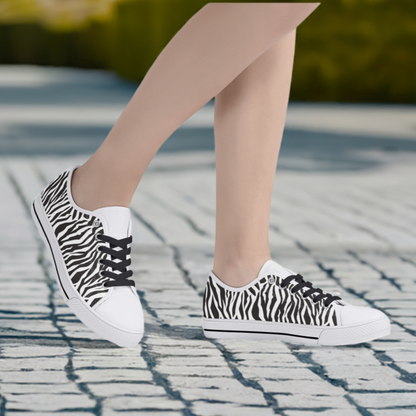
(279, 304)
(91, 254)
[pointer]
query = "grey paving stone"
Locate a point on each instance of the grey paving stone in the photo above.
(268, 360)
(193, 361)
(222, 383)
(215, 409)
(385, 400)
(43, 413)
(317, 387)
(33, 377)
(311, 402)
(360, 372)
(180, 344)
(401, 355)
(110, 412)
(38, 388)
(340, 357)
(48, 402)
(194, 371)
(25, 351)
(380, 384)
(278, 373)
(329, 412)
(404, 347)
(254, 347)
(239, 396)
(109, 389)
(398, 412)
(143, 402)
(107, 361)
(113, 375)
(33, 364)
(206, 351)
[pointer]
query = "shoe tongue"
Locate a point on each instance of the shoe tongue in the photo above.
(271, 267)
(117, 219)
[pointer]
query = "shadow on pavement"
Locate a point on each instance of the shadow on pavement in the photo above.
(301, 150)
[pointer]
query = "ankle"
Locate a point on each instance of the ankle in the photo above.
(88, 193)
(239, 272)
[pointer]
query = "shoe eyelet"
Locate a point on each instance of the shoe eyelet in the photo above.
(96, 223)
(271, 280)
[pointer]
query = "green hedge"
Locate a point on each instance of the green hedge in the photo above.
(347, 50)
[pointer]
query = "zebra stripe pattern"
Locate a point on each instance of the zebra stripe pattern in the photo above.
(75, 233)
(265, 301)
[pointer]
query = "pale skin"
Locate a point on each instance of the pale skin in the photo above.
(241, 54)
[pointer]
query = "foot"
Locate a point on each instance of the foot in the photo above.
(279, 304)
(91, 254)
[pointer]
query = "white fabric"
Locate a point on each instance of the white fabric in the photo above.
(116, 221)
(123, 310)
(270, 266)
(356, 315)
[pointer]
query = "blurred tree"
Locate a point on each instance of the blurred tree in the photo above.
(347, 50)
(57, 14)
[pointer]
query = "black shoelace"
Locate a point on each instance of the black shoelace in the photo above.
(121, 278)
(312, 290)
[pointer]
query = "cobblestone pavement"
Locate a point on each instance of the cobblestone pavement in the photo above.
(351, 231)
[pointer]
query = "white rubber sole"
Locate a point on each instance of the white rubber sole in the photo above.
(84, 313)
(296, 333)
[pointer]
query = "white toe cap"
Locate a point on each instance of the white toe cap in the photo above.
(357, 315)
(122, 310)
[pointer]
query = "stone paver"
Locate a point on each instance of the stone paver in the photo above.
(351, 231)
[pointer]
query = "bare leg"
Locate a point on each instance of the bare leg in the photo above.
(211, 49)
(249, 119)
